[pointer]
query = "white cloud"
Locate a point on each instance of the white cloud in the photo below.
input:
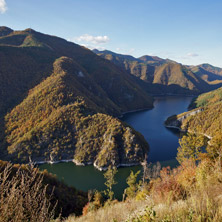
(93, 39)
(3, 7)
(192, 54)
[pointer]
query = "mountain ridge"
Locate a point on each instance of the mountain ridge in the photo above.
(50, 48)
(59, 101)
(155, 70)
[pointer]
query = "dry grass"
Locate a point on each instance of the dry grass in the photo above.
(116, 212)
(202, 202)
(23, 196)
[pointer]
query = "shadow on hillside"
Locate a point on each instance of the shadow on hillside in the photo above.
(3, 142)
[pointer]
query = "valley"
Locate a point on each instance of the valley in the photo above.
(63, 100)
(151, 124)
(82, 114)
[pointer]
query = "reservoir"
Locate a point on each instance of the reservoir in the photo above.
(163, 142)
(163, 146)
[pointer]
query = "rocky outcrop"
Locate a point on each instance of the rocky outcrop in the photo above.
(175, 121)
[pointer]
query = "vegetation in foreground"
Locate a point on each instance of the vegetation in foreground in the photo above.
(190, 192)
(26, 194)
(23, 196)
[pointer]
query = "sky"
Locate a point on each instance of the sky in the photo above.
(187, 31)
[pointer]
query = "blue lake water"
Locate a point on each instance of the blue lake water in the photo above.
(163, 146)
(163, 142)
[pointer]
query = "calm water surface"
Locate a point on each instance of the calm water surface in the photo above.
(163, 146)
(163, 142)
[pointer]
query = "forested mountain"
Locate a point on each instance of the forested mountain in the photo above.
(55, 101)
(183, 188)
(205, 116)
(208, 121)
(167, 75)
(27, 58)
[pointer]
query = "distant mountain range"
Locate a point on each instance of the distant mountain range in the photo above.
(207, 72)
(173, 77)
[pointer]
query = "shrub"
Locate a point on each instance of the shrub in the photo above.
(23, 196)
(166, 187)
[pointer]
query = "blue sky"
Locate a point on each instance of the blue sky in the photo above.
(188, 31)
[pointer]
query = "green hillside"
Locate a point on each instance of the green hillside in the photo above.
(209, 121)
(142, 67)
(205, 115)
(27, 58)
(59, 120)
(177, 74)
(56, 98)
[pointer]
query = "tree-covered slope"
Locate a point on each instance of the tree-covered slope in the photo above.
(205, 116)
(140, 67)
(55, 102)
(177, 74)
(5, 31)
(209, 121)
(27, 58)
(21, 69)
(60, 120)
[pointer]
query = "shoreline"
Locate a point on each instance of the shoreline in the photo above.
(189, 131)
(77, 163)
(84, 164)
(134, 111)
(154, 98)
(118, 166)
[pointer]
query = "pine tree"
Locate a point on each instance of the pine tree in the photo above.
(132, 182)
(191, 146)
(109, 175)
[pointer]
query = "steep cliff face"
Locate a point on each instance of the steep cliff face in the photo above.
(176, 121)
